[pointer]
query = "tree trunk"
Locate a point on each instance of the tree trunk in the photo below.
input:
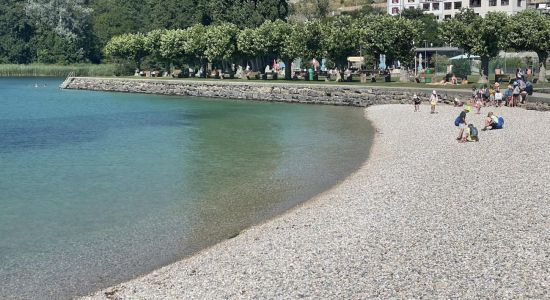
(542, 63)
(204, 65)
(288, 69)
(138, 63)
(484, 70)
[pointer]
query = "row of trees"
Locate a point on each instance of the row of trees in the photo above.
(337, 38)
(528, 30)
(68, 31)
(334, 39)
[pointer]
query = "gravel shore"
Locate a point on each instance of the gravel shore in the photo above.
(424, 217)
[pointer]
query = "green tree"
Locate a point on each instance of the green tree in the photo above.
(529, 30)
(273, 37)
(50, 48)
(68, 18)
(249, 43)
(310, 9)
(15, 33)
(127, 47)
(221, 42)
(246, 13)
(196, 44)
(303, 41)
(428, 27)
(115, 17)
(476, 35)
(152, 42)
(462, 67)
(389, 35)
(175, 14)
(340, 39)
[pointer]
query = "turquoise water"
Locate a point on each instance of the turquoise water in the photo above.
(96, 188)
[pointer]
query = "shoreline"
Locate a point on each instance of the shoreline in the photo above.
(359, 95)
(408, 223)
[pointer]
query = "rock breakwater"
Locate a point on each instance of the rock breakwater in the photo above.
(331, 94)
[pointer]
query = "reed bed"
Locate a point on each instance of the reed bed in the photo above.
(14, 70)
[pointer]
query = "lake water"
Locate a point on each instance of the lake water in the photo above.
(97, 188)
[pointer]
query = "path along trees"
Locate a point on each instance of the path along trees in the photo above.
(334, 39)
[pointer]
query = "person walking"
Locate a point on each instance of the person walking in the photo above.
(433, 101)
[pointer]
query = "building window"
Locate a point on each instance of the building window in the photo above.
(519, 3)
(395, 10)
(492, 2)
(447, 5)
(426, 6)
(411, 1)
(475, 3)
(435, 6)
(458, 5)
(504, 2)
(447, 17)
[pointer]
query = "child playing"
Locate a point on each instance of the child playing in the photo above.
(460, 121)
(498, 98)
(416, 101)
(470, 134)
(433, 101)
(478, 105)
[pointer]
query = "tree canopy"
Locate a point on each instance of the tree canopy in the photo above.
(529, 30)
(476, 35)
(69, 31)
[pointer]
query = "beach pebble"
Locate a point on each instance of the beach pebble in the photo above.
(424, 217)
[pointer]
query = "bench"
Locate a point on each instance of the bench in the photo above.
(252, 75)
(502, 78)
(177, 74)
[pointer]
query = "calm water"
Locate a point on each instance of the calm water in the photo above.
(96, 188)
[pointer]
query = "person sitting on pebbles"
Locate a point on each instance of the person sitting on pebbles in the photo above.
(460, 122)
(458, 102)
(493, 122)
(470, 134)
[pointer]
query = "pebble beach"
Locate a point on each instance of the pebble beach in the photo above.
(424, 217)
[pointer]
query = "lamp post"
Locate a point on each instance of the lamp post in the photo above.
(425, 56)
(414, 60)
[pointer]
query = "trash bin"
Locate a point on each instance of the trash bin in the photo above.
(310, 74)
(428, 76)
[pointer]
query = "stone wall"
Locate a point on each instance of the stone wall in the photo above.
(331, 94)
(256, 90)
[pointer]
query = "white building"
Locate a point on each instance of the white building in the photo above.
(444, 9)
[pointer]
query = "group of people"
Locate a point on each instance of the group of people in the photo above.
(433, 102)
(467, 131)
(492, 95)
